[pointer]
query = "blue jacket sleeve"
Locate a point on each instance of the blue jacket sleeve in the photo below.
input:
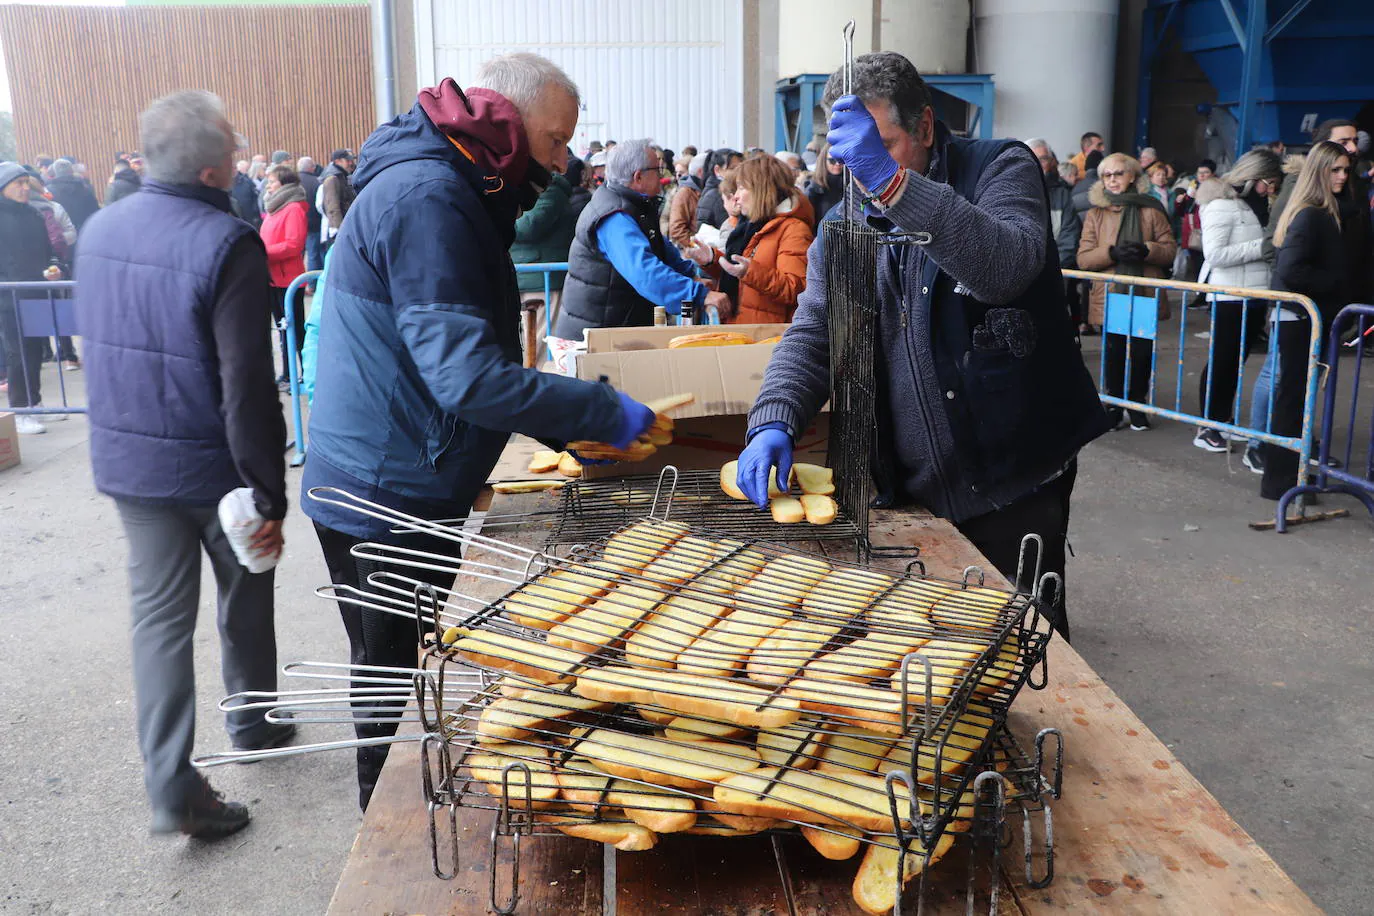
(310, 348)
(445, 305)
(626, 247)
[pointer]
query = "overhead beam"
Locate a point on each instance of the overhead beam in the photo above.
(1232, 18)
(1283, 21)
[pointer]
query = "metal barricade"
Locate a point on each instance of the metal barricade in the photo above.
(1350, 473)
(547, 269)
(40, 310)
(293, 373)
(1125, 314)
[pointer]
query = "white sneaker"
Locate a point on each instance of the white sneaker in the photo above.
(52, 416)
(29, 426)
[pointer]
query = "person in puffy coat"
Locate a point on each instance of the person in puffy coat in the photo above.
(24, 254)
(1127, 233)
(283, 232)
(544, 234)
(1232, 245)
(763, 266)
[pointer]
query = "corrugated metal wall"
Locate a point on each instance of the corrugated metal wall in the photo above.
(294, 78)
(646, 68)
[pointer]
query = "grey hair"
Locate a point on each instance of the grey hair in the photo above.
(1068, 168)
(303, 163)
(787, 157)
(182, 134)
(698, 164)
(62, 168)
(522, 77)
(628, 157)
(1039, 143)
(885, 76)
(1151, 150)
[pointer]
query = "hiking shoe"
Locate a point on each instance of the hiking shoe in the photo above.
(272, 734)
(1141, 422)
(205, 815)
(1254, 460)
(1209, 440)
(26, 425)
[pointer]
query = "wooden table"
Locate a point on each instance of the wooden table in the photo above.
(1134, 832)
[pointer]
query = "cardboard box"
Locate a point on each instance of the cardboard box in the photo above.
(637, 361)
(725, 380)
(9, 442)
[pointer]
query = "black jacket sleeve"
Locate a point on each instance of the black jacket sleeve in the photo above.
(1299, 266)
(253, 418)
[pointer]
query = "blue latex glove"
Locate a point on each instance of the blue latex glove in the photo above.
(635, 419)
(855, 141)
(588, 461)
(769, 448)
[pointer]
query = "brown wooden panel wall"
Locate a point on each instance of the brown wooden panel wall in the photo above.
(292, 77)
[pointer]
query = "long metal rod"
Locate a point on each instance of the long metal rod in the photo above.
(848, 88)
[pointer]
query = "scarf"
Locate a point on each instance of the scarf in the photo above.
(286, 194)
(739, 240)
(1130, 203)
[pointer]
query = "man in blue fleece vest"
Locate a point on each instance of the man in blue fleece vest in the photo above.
(983, 398)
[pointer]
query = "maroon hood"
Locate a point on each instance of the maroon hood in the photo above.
(485, 123)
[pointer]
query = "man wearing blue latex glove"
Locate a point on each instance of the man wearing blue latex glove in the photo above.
(770, 446)
(620, 265)
(982, 397)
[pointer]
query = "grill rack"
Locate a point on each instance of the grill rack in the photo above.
(433, 608)
(593, 509)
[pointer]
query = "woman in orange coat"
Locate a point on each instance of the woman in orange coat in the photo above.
(763, 266)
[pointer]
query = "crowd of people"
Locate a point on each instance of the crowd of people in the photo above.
(413, 345)
(296, 206)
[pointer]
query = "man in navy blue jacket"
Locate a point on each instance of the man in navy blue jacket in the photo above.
(983, 398)
(173, 302)
(419, 380)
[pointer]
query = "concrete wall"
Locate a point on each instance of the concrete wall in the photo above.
(930, 32)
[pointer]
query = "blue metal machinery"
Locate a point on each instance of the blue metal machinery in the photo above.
(801, 94)
(1279, 66)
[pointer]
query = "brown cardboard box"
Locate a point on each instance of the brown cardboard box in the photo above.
(637, 361)
(725, 380)
(9, 442)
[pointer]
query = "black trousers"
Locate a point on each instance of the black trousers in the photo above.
(1281, 465)
(23, 357)
(1142, 355)
(1045, 512)
(279, 312)
(376, 638)
(1231, 316)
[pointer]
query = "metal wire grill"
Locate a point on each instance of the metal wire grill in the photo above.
(595, 509)
(851, 273)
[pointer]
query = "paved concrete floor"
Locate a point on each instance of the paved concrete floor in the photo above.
(1248, 652)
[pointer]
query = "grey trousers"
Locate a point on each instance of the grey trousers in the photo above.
(164, 584)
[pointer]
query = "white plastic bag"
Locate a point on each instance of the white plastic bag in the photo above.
(563, 354)
(240, 520)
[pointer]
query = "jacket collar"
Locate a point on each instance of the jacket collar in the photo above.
(212, 196)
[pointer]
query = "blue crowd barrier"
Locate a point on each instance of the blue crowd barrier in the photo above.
(1341, 470)
(42, 309)
(293, 374)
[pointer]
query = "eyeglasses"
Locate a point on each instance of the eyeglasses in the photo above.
(1111, 174)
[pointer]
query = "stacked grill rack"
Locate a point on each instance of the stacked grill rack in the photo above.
(892, 687)
(594, 509)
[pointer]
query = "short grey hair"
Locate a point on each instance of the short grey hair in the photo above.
(1151, 150)
(304, 163)
(698, 164)
(522, 77)
(628, 157)
(1068, 168)
(1040, 143)
(184, 133)
(789, 158)
(885, 76)
(62, 168)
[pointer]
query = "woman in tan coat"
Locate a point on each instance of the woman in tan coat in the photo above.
(1126, 232)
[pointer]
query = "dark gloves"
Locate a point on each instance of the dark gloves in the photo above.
(1129, 252)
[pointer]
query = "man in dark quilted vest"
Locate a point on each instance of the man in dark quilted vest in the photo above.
(174, 305)
(983, 400)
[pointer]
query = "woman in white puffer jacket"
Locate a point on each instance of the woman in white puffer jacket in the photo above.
(1234, 209)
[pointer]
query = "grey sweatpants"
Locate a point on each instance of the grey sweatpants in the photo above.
(164, 584)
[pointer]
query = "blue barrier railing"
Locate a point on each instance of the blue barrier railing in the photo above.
(548, 269)
(1343, 473)
(1134, 317)
(293, 374)
(46, 312)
